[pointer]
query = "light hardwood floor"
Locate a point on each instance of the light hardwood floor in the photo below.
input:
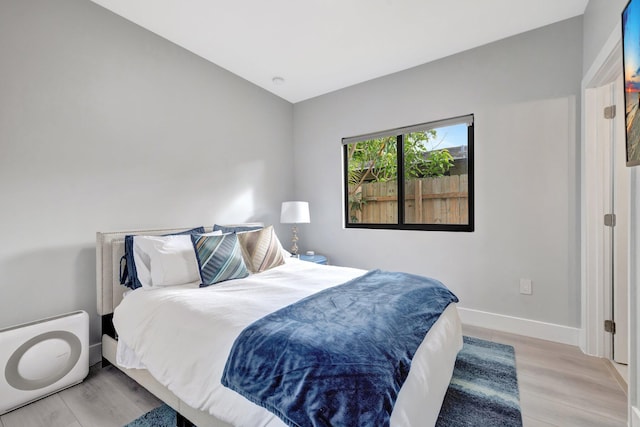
(559, 386)
(106, 398)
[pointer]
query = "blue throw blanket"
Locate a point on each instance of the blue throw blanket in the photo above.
(338, 357)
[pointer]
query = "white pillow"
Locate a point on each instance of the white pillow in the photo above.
(166, 260)
(142, 261)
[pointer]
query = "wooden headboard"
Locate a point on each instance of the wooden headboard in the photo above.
(109, 250)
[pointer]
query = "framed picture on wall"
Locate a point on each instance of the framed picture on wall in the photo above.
(631, 69)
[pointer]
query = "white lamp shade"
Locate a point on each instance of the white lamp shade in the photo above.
(295, 213)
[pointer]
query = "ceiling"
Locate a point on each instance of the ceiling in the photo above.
(318, 46)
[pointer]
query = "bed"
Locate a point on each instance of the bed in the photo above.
(172, 367)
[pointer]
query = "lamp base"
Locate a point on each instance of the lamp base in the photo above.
(294, 240)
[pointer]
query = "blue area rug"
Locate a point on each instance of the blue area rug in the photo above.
(484, 387)
(483, 391)
(162, 416)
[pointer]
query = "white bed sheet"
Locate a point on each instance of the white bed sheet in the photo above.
(183, 335)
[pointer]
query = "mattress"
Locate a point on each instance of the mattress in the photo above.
(182, 335)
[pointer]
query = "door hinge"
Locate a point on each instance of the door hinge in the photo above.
(610, 112)
(610, 326)
(610, 220)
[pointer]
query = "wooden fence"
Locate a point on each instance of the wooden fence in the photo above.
(441, 200)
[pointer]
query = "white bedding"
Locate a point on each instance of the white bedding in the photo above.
(183, 336)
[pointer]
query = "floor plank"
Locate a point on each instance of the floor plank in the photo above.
(48, 412)
(577, 394)
(552, 412)
(474, 331)
(621, 374)
(532, 422)
(541, 362)
(130, 389)
(99, 402)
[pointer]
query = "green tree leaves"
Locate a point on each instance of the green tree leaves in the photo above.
(376, 160)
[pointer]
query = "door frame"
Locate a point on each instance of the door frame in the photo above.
(596, 298)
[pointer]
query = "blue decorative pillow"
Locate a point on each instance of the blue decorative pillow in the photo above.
(129, 274)
(219, 258)
(236, 229)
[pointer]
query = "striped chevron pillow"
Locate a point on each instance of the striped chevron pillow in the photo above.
(262, 249)
(219, 258)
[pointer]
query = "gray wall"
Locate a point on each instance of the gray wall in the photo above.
(525, 94)
(105, 126)
(600, 19)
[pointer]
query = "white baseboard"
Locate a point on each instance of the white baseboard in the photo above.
(95, 353)
(635, 417)
(517, 325)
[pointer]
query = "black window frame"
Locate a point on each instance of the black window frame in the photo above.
(399, 133)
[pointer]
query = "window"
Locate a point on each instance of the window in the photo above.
(427, 167)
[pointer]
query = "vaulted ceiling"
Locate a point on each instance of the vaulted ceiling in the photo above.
(299, 49)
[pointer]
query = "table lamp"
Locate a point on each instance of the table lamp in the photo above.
(294, 213)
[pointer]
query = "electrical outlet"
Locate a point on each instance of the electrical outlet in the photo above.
(526, 286)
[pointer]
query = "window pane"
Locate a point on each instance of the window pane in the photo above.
(372, 168)
(436, 189)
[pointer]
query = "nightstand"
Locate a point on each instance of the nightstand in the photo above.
(318, 259)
